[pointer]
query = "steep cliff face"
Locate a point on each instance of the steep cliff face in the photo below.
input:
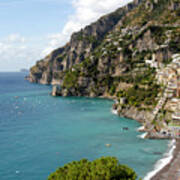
(118, 56)
(134, 23)
(50, 69)
(141, 42)
(125, 62)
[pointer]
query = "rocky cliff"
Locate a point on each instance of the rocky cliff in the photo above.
(81, 45)
(118, 56)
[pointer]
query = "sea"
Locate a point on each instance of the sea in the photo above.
(39, 133)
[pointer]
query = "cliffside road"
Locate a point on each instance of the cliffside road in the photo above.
(172, 170)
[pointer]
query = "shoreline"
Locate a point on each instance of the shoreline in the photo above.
(162, 166)
(168, 156)
(166, 167)
(172, 169)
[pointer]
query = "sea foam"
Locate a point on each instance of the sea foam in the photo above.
(114, 111)
(167, 157)
(141, 128)
(143, 136)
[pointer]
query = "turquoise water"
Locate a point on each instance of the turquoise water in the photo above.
(39, 133)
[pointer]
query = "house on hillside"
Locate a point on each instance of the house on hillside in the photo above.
(176, 118)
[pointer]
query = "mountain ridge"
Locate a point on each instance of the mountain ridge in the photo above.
(123, 62)
(78, 48)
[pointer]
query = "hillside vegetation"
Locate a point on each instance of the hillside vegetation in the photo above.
(105, 168)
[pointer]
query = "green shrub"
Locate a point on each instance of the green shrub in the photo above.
(112, 90)
(70, 79)
(105, 168)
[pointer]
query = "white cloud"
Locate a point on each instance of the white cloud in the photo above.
(86, 11)
(15, 38)
(17, 52)
(55, 40)
(12, 44)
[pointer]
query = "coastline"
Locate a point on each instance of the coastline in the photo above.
(162, 166)
(167, 158)
(167, 167)
(172, 169)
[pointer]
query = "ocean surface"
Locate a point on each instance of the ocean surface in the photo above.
(39, 133)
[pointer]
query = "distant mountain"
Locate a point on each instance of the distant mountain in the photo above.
(24, 70)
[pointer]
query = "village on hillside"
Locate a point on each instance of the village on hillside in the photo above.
(169, 78)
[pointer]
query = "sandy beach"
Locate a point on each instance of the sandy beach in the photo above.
(172, 170)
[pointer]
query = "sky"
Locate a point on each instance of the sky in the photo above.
(31, 29)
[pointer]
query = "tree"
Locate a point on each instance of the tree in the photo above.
(104, 168)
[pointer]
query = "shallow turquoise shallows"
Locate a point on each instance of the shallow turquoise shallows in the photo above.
(39, 133)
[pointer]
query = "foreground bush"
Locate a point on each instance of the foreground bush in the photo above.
(105, 168)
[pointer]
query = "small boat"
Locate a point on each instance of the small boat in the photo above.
(125, 128)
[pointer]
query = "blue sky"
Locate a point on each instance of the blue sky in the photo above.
(33, 17)
(30, 29)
